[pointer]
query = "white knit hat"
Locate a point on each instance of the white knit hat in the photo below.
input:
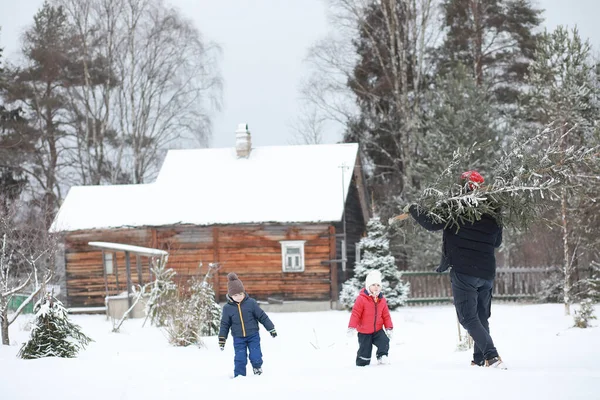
(372, 278)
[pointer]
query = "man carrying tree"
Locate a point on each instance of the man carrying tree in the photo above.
(469, 249)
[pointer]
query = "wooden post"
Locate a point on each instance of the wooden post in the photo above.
(138, 265)
(116, 271)
(154, 235)
(128, 272)
(333, 266)
(216, 260)
(104, 273)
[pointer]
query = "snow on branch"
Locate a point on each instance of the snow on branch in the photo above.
(528, 173)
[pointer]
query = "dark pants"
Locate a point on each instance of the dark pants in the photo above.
(473, 303)
(365, 346)
(246, 347)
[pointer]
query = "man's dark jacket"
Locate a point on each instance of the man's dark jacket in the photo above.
(243, 318)
(468, 249)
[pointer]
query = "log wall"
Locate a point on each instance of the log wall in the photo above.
(252, 251)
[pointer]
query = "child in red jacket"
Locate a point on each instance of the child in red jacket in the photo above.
(370, 314)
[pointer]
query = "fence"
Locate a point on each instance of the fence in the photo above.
(510, 284)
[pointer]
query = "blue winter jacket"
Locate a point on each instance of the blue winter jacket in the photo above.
(243, 318)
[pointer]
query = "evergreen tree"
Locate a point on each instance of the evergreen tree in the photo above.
(590, 288)
(459, 114)
(15, 146)
(565, 93)
(585, 313)
(40, 87)
(53, 335)
(495, 39)
(376, 256)
(388, 81)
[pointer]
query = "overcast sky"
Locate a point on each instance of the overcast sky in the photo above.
(264, 44)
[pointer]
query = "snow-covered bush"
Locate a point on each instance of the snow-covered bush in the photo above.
(163, 292)
(194, 312)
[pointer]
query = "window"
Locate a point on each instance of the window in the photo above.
(108, 263)
(292, 255)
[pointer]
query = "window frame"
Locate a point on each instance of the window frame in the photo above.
(285, 245)
(105, 257)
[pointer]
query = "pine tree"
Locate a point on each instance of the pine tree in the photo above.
(376, 256)
(590, 288)
(388, 80)
(40, 87)
(565, 92)
(585, 313)
(495, 39)
(15, 146)
(459, 114)
(53, 335)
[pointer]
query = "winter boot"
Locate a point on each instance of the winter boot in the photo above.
(495, 362)
(383, 360)
(257, 371)
(477, 364)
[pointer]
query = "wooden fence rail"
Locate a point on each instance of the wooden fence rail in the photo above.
(510, 284)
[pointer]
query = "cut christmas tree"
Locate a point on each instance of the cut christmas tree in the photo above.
(531, 170)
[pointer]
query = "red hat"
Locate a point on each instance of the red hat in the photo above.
(473, 177)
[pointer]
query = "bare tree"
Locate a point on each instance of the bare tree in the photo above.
(378, 57)
(26, 262)
(96, 41)
(167, 76)
(150, 81)
(308, 127)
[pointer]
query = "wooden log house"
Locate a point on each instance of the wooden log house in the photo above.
(278, 216)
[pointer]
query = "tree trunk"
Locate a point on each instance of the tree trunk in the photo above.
(478, 45)
(4, 323)
(566, 264)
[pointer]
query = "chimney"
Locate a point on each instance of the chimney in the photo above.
(243, 143)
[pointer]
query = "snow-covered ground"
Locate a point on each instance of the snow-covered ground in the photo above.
(312, 359)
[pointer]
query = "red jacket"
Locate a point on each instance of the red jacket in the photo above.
(370, 315)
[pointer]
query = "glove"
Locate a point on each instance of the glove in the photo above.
(273, 332)
(351, 332)
(221, 343)
(389, 333)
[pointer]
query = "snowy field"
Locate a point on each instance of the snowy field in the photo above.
(312, 359)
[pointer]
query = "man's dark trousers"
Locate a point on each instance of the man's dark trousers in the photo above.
(473, 303)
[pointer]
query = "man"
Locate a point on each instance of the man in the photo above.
(469, 250)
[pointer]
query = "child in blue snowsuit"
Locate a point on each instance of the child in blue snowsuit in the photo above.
(242, 314)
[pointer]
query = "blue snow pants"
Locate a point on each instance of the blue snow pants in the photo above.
(246, 347)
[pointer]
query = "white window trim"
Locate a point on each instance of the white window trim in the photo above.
(292, 243)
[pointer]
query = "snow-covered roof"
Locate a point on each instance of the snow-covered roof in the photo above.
(144, 251)
(214, 186)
